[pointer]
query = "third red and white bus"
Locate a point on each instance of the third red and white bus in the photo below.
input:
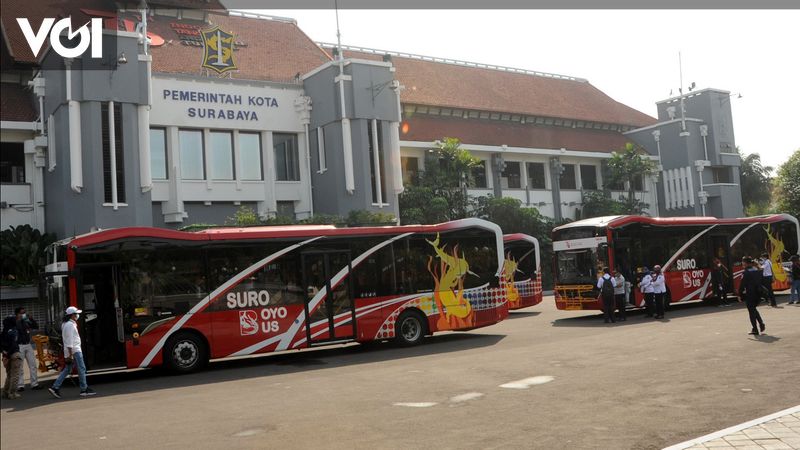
(154, 296)
(684, 246)
(522, 271)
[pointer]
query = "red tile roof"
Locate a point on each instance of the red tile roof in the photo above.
(275, 50)
(489, 132)
(16, 103)
(443, 84)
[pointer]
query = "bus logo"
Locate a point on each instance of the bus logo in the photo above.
(248, 322)
(686, 264)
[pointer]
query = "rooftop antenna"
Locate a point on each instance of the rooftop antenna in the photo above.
(680, 90)
(338, 33)
(347, 143)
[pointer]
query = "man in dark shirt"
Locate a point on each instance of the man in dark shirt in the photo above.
(719, 277)
(12, 361)
(750, 292)
(25, 324)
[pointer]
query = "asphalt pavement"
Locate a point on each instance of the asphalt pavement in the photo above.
(541, 379)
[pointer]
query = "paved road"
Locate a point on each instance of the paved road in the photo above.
(640, 384)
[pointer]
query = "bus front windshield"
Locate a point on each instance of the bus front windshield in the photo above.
(577, 266)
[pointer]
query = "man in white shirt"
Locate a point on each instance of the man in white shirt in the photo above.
(619, 294)
(659, 291)
(646, 286)
(606, 285)
(71, 340)
(766, 272)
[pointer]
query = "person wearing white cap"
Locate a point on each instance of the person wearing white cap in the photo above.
(72, 354)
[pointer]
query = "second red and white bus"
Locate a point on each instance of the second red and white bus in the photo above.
(685, 247)
(154, 296)
(522, 271)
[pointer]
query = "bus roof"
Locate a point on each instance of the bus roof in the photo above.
(515, 237)
(620, 221)
(266, 232)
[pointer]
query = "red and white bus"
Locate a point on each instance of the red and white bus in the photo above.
(683, 246)
(522, 271)
(154, 296)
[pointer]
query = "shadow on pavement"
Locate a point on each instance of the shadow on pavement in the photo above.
(521, 314)
(148, 380)
(765, 339)
(674, 312)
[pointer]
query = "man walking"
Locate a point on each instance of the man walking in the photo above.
(619, 294)
(12, 360)
(606, 285)
(659, 291)
(719, 276)
(794, 294)
(749, 290)
(72, 354)
(646, 286)
(766, 271)
(24, 326)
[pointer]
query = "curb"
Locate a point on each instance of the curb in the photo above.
(734, 429)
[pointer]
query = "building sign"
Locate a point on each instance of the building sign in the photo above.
(218, 50)
(192, 35)
(224, 104)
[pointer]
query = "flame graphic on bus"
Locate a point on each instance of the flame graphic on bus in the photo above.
(775, 249)
(509, 271)
(454, 310)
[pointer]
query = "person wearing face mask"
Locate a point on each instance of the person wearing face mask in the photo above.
(25, 324)
(72, 354)
(646, 286)
(660, 291)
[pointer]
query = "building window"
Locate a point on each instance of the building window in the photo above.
(722, 174)
(536, 176)
(479, 175)
(221, 155)
(287, 167)
(250, 153)
(510, 178)
(588, 176)
(285, 209)
(567, 178)
(377, 177)
(638, 183)
(322, 158)
(410, 166)
(118, 154)
(192, 158)
(12, 163)
(158, 154)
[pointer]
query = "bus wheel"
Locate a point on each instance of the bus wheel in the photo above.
(185, 352)
(410, 328)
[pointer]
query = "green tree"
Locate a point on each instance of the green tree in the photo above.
(627, 165)
(755, 183)
(245, 216)
(439, 193)
(787, 186)
(600, 203)
(23, 249)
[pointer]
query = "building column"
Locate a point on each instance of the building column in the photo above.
(268, 207)
(555, 175)
(172, 209)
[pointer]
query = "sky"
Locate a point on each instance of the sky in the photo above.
(630, 55)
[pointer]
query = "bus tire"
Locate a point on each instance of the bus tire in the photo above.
(410, 328)
(185, 352)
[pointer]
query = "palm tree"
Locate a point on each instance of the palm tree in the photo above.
(756, 182)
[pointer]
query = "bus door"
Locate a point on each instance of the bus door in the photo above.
(720, 248)
(101, 319)
(331, 314)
